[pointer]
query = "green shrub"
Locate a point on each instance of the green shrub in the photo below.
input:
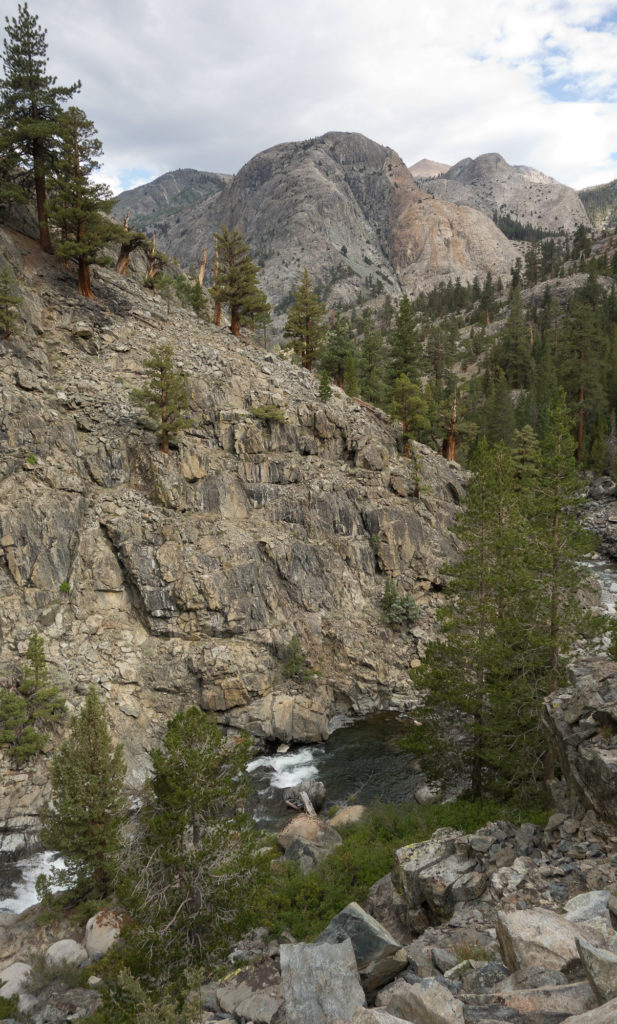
(9, 1008)
(304, 904)
(398, 610)
(268, 413)
(294, 661)
(44, 972)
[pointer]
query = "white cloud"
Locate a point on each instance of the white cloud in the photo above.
(208, 85)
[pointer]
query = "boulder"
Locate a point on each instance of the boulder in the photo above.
(314, 789)
(102, 930)
(12, 980)
(539, 938)
(378, 955)
(320, 982)
(538, 1005)
(254, 993)
(606, 1014)
(308, 840)
(438, 872)
(67, 951)
(426, 1002)
(601, 969)
(347, 815)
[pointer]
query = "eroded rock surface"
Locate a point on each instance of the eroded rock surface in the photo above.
(171, 581)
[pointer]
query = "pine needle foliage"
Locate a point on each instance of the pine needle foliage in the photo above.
(87, 810)
(30, 107)
(78, 205)
(27, 712)
(189, 876)
(165, 396)
(306, 323)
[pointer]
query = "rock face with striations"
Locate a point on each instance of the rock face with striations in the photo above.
(490, 184)
(344, 208)
(180, 580)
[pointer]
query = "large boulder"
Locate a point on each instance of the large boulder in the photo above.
(308, 840)
(378, 955)
(102, 930)
(438, 873)
(426, 1002)
(606, 1014)
(539, 938)
(320, 982)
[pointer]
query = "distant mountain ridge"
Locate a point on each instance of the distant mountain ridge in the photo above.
(167, 196)
(343, 207)
(600, 202)
(490, 184)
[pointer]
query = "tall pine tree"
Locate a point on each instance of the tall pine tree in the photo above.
(30, 107)
(78, 204)
(306, 322)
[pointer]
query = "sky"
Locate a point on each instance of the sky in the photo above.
(204, 84)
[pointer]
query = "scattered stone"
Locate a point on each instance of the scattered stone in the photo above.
(538, 938)
(102, 930)
(601, 969)
(427, 1002)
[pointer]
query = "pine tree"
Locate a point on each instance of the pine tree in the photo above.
(165, 396)
(306, 326)
(325, 390)
(235, 280)
(513, 614)
(85, 818)
(30, 107)
(10, 301)
(406, 350)
(371, 370)
(77, 204)
(194, 862)
(337, 350)
(27, 711)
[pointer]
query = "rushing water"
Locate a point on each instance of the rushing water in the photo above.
(359, 763)
(17, 881)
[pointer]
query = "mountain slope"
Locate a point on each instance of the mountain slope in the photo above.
(490, 184)
(163, 199)
(175, 581)
(600, 202)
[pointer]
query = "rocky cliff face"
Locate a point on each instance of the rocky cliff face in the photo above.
(490, 184)
(344, 208)
(188, 575)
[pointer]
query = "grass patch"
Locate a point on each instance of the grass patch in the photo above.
(304, 904)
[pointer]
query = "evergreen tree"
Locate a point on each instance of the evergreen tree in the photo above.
(193, 864)
(27, 711)
(337, 350)
(85, 818)
(30, 107)
(77, 204)
(325, 390)
(371, 359)
(235, 280)
(165, 396)
(306, 323)
(10, 301)
(406, 350)
(514, 351)
(514, 611)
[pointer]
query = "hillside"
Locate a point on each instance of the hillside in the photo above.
(347, 210)
(151, 206)
(490, 184)
(600, 202)
(180, 580)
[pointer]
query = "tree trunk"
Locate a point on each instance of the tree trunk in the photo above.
(84, 286)
(123, 260)
(41, 199)
(202, 267)
(235, 321)
(448, 449)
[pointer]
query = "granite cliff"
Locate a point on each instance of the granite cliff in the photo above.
(344, 208)
(170, 581)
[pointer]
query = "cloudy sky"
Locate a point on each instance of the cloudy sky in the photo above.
(182, 83)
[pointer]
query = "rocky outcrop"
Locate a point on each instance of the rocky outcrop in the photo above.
(581, 722)
(347, 210)
(490, 184)
(171, 581)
